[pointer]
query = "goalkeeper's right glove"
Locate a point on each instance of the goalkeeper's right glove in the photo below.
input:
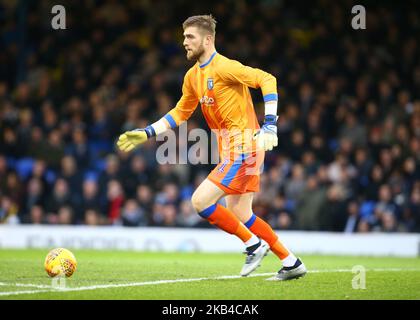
(267, 136)
(131, 139)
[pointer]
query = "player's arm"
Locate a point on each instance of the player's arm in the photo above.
(235, 72)
(182, 111)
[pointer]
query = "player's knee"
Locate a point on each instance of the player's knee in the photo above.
(198, 202)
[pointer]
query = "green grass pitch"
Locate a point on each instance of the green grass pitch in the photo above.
(200, 276)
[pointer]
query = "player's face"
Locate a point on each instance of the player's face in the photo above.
(193, 43)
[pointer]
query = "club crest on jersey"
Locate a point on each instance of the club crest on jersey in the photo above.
(210, 83)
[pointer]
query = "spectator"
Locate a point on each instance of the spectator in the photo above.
(112, 172)
(352, 217)
(65, 215)
(135, 175)
(363, 167)
(340, 170)
(13, 187)
(37, 143)
(414, 208)
(145, 199)
(386, 206)
(53, 149)
(353, 130)
(90, 200)
(309, 205)
(169, 213)
(39, 171)
(61, 196)
(8, 211)
(169, 195)
(115, 197)
(376, 179)
(347, 126)
(9, 143)
(132, 215)
(297, 145)
(296, 185)
(71, 174)
(35, 196)
(25, 128)
(332, 216)
(3, 170)
(79, 148)
(187, 216)
(36, 215)
(280, 214)
(92, 217)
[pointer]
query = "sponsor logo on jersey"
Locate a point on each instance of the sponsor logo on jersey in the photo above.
(207, 101)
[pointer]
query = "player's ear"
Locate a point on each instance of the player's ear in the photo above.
(208, 39)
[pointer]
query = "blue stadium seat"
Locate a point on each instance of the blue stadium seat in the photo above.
(186, 192)
(50, 176)
(333, 144)
(90, 175)
(367, 209)
(99, 165)
(99, 148)
(290, 205)
(24, 167)
(11, 162)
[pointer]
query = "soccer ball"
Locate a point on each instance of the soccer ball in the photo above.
(60, 261)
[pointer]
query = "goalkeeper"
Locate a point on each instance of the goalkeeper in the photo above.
(222, 86)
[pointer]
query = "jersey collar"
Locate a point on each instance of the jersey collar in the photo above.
(208, 61)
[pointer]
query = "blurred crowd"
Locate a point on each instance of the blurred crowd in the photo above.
(348, 158)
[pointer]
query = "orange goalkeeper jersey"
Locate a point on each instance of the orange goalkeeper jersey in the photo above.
(221, 86)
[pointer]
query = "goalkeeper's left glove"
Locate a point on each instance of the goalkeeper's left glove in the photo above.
(131, 139)
(267, 136)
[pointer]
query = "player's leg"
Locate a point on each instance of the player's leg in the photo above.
(204, 201)
(241, 206)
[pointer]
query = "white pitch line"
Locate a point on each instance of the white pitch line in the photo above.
(12, 293)
(39, 286)
(107, 286)
(375, 270)
(156, 282)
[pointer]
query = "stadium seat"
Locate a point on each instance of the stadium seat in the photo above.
(90, 175)
(99, 148)
(367, 209)
(99, 165)
(50, 176)
(24, 167)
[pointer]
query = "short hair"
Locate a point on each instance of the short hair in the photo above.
(203, 22)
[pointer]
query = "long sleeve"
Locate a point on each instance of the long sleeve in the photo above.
(185, 106)
(233, 71)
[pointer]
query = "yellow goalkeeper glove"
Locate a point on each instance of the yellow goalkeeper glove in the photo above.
(131, 139)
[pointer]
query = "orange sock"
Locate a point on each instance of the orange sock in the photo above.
(226, 220)
(263, 230)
